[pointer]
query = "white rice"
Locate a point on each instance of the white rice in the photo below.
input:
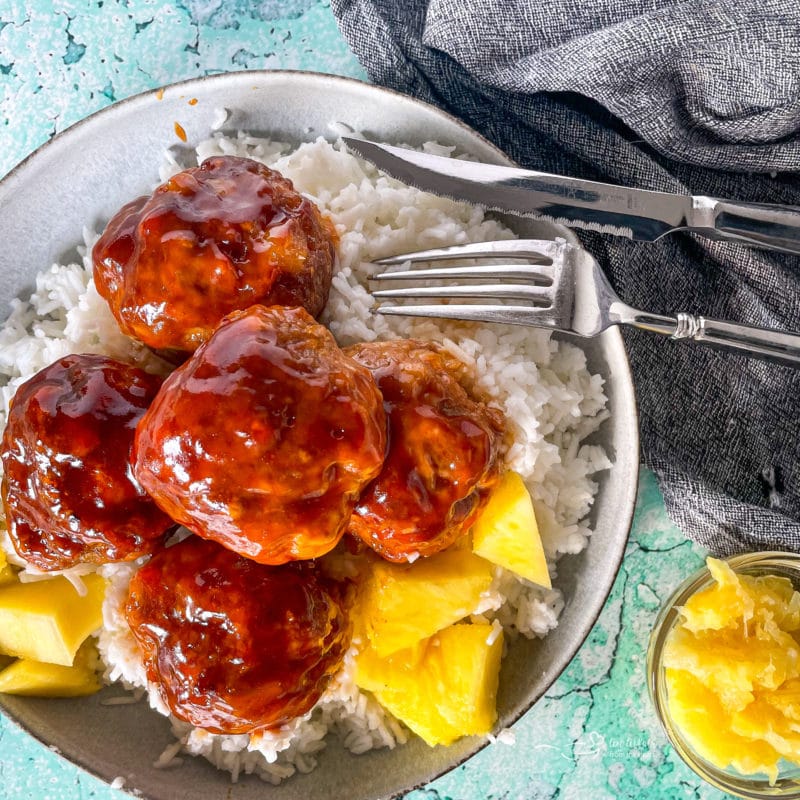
(543, 386)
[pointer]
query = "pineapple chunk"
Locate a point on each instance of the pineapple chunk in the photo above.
(467, 667)
(442, 689)
(733, 599)
(721, 663)
(506, 532)
(376, 674)
(401, 604)
(48, 620)
(403, 687)
(7, 574)
(698, 713)
(39, 679)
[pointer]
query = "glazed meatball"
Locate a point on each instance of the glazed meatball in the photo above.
(67, 488)
(264, 438)
(443, 455)
(234, 646)
(212, 239)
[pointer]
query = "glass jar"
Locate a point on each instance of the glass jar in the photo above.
(729, 780)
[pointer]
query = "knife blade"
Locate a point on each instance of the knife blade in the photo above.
(638, 214)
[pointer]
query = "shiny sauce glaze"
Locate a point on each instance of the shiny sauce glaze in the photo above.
(68, 489)
(443, 454)
(212, 239)
(234, 646)
(264, 438)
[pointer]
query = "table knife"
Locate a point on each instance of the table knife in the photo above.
(623, 211)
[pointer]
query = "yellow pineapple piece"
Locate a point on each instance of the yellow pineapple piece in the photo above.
(506, 532)
(442, 689)
(48, 620)
(376, 674)
(467, 665)
(7, 574)
(718, 660)
(698, 714)
(763, 720)
(399, 683)
(733, 599)
(401, 604)
(40, 679)
(786, 699)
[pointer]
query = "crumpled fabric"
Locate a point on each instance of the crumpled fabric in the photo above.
(693, 97)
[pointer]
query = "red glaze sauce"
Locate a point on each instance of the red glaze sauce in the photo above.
(443, 452)
(68, 489)
(264, 438)
(234, 646)
(212, 239)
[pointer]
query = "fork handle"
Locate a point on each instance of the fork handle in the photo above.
(772, 345)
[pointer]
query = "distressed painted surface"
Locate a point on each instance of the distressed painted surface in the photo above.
(594, 734)
(61, 60)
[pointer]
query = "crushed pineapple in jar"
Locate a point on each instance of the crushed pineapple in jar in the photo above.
(732, 671)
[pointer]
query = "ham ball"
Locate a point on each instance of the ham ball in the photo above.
(264, 438)
(233, 646)
(443, 457)
(68, 490)
(211, 240)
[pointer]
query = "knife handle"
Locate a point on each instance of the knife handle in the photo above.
(779, 346)
(776, 227)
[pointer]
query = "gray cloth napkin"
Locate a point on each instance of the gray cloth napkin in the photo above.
(699, 96)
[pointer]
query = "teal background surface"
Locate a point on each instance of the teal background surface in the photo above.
(594, 735)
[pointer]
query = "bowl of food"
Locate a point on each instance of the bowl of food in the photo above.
(346, 551)
(724, 671)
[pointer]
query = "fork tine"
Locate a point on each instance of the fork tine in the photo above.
(512, 315)
(535, 274)
(499, 291)
(539, 251)
(539, 283)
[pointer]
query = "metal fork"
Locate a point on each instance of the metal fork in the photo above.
(553, 284)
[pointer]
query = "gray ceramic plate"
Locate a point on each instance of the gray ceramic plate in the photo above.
(81, 178)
